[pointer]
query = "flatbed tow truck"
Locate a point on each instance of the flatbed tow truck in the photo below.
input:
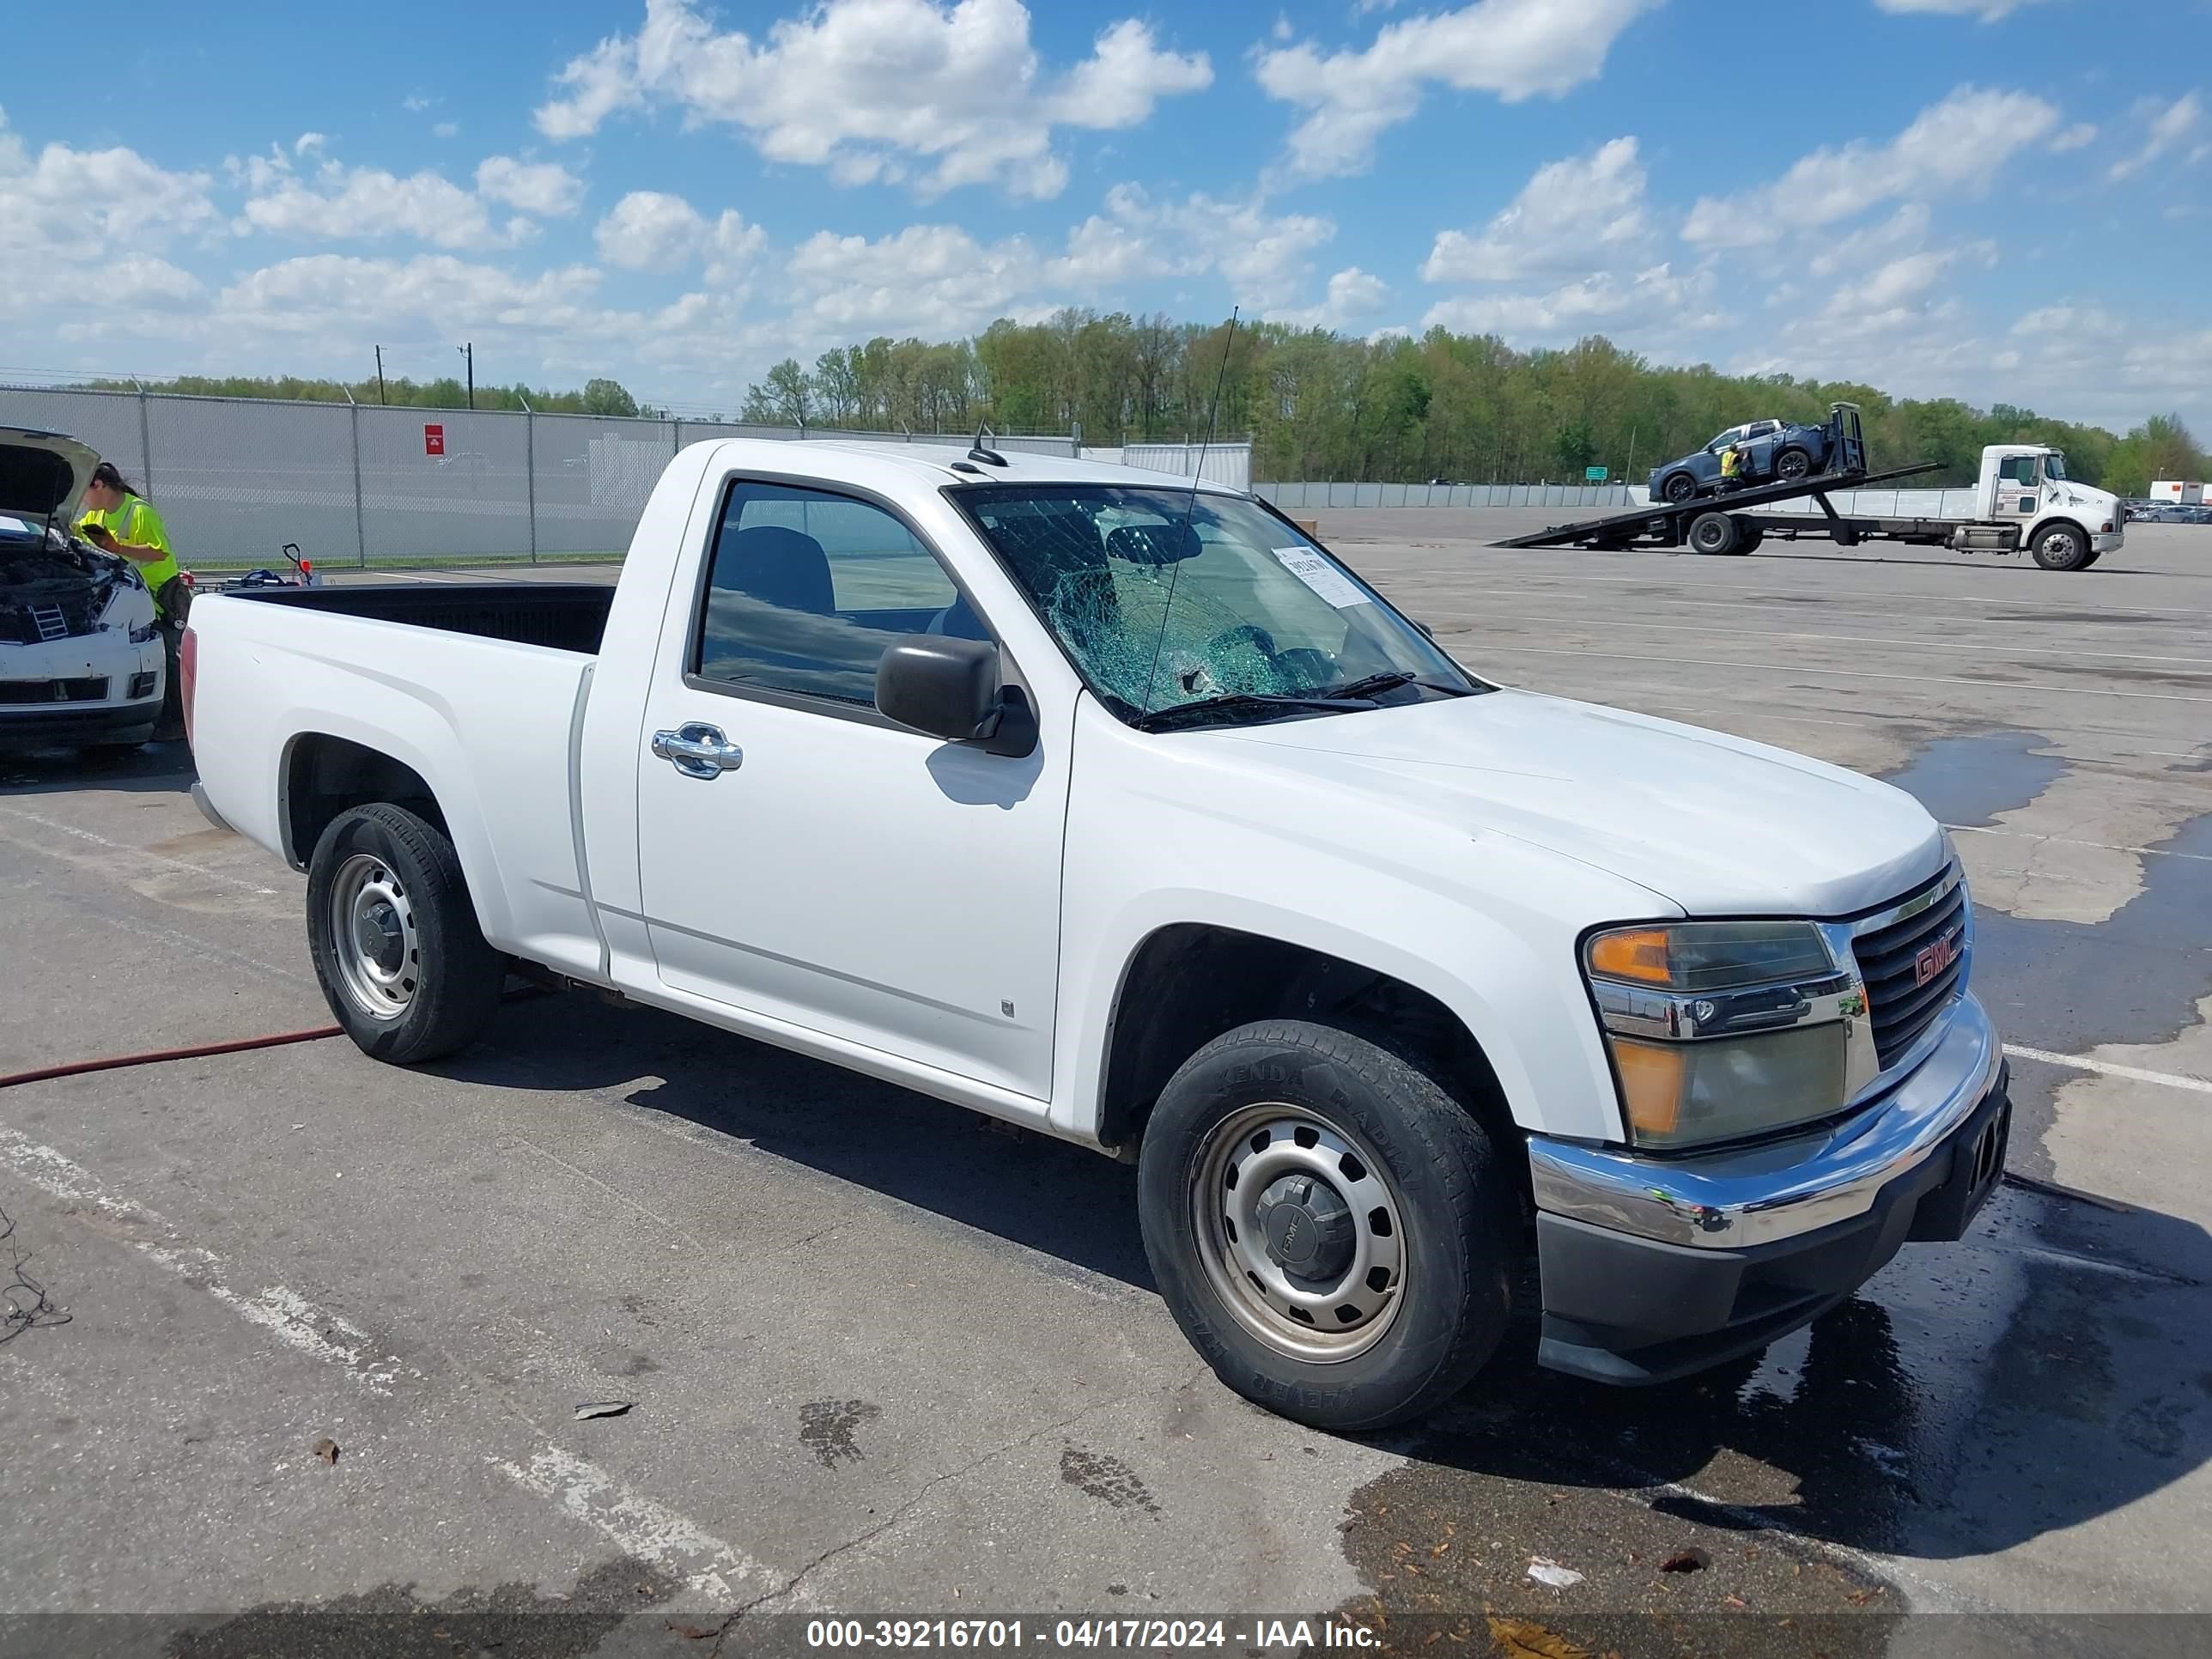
(2023, 500)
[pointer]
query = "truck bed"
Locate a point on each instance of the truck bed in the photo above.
(561, 615)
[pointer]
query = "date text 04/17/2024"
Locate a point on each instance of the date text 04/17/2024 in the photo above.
(1159, 1635)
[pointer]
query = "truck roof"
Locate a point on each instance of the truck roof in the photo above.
(936, 464)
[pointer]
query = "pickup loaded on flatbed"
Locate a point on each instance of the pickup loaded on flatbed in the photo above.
(1118, 809)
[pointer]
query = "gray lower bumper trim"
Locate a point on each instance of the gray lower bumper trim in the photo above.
(1733, 1199)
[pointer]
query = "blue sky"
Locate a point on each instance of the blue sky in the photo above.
(2002, 200)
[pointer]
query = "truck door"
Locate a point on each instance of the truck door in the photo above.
(2018, 490)
(803, 858)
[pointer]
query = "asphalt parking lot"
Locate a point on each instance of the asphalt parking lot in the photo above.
(888, 1361)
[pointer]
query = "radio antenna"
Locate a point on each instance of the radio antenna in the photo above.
(1190, 506)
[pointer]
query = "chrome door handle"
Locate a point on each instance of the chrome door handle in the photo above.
(698, 750)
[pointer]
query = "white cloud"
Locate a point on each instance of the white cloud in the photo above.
(72, 205)
(2080, 136)
(414, 103)
(1571, 216)
(2169, 126)
(1905, 228)
(1957, 145)
(308, 141)
(1987, 10)
(1262, 256)
(937, 94)
(1658, 299)
(446, 129)
(1353, 294)
(1516, 49)
(343, 204)
(652, 230)
(332, 291)
(540, 187)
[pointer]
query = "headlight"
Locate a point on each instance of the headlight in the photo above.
(1724, 1030)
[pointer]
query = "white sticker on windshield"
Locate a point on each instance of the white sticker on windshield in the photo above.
(1324, 577)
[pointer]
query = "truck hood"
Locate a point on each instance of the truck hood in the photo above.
(1715, 824)
(43, 473)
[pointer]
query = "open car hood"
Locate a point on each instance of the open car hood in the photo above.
(43, 474)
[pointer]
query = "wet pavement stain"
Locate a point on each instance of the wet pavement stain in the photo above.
(1105, 1477)
(512, 1620)
(1447, 1553)
(1969, 780)
(831, 1428)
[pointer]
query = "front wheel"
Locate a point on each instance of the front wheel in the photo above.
(395, 940)
(1331, 1229)
(1678, 488)
(2062, 547)
(1792, 465)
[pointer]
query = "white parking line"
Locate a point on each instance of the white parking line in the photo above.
(2202, 665)
(650, 1531)
(1496, 646)
(278, 1310)
(138, 853)
(2107, 1068)
(2068, 841)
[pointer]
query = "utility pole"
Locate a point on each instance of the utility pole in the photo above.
(379, 375)
(468, 356)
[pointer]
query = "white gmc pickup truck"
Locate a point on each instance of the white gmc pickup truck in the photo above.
(1120, 810)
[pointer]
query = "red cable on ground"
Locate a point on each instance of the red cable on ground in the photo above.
(153, 1056)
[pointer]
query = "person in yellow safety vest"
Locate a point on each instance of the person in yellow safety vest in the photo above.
(1731, 464)
(117, 519)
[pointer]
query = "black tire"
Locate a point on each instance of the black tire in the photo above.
(1749, 540)
(1713, 532)
(1418, 1154)
(2061, 547)
(2091, 559)
(1792, 464)
(1678, 489)
(446, 980)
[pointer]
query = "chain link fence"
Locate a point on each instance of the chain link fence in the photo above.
(365, 484)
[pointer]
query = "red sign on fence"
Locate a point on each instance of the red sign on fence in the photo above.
(434, 441)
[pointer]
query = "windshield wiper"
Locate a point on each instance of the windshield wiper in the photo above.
(1231, 702)
(1389, 680)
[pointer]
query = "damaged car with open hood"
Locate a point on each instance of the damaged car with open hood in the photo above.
(80, 659)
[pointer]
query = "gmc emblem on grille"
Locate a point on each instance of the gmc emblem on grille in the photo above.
(1934, 958)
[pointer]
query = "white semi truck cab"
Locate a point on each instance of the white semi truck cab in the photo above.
(2025, 499)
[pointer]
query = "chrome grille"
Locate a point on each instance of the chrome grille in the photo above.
(1914, 963)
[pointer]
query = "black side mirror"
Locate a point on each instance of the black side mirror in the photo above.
(949, 687)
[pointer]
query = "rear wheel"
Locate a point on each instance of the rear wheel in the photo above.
(1678, 488)
(1793, 464)
(1330, 1229)
(402, 962)
(1713, 532)
(1747, 540)
(2061, 547)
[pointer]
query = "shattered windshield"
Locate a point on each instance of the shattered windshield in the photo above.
(1161, 602)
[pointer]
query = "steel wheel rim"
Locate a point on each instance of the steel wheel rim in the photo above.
(1327, 1320)
(2058, 545)
(373, 939)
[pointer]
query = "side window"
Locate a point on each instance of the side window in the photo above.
(1724, 440)
(807, 590)
(2018, 469)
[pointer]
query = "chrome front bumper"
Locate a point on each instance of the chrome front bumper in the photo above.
(1739, 1200)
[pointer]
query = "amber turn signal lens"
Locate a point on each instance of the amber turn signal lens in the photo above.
(1651, 1078)
(1639, 954)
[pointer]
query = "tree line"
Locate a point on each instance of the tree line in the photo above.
(1444, 406)
(1453, 407)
